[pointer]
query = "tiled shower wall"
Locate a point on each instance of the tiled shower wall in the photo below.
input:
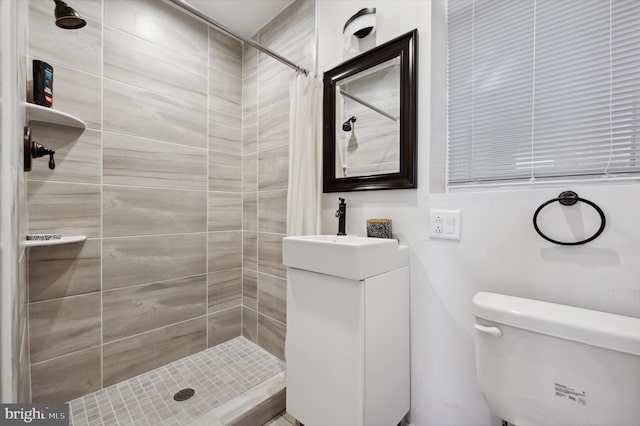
(266, 167)
(155, 182)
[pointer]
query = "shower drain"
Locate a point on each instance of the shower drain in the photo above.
(184, 394)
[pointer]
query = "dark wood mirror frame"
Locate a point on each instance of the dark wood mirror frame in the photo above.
(405, 47)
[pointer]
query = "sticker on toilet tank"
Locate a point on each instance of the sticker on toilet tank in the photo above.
(563, 391)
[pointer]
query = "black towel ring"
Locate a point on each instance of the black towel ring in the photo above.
(569, 198)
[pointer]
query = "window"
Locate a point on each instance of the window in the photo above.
(540, 89)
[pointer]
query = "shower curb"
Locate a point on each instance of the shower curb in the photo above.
(256, 406)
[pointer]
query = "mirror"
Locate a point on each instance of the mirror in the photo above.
(369, 123)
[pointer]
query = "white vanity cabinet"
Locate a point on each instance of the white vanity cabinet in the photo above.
(347, 347)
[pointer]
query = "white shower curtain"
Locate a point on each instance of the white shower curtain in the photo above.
(305, 157)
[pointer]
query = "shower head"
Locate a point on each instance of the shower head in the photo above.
(346, 126)
(67, 17)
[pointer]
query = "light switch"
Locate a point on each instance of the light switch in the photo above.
(449, 225)
(445, 224)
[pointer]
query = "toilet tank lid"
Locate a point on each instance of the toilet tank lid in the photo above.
(595, 328)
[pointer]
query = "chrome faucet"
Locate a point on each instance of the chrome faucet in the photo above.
(341, 214)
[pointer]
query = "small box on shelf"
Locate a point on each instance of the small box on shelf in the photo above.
(379, 228)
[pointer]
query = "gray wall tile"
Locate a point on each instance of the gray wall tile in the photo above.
(225, 93)
(250, 94)
(250, 211)
(270, 254)
(130, 160)
(225, 289)
(250, 173)
(273, 168)
(134, 61)
(90, 9)
(130, 261)
(224, 325)
(250, 288)
(64, 208)
(225, 53)
(274, 79)
(81, 48)
(249, 61)
(250, 250)
(271, 335)
(61, 326)
(250, 324)
(225, 138)
(272, 297)
(225, 211)
(272, 211)
(144, 211)
(78, 155)
(250, 120)
(172, 28)
(273, 125)
(250, 138)
(134, 355)
(134, 111)
(225, 172)
(64, 270)
(132, 310)
(68, 377)
(225, 250)
(218, 118)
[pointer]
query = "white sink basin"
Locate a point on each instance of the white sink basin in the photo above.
(345, 256)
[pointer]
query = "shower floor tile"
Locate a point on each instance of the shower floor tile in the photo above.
(217, 374)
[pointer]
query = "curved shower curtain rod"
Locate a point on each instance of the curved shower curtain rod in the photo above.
(197, 12)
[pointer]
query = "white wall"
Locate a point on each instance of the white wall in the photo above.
(499, 250)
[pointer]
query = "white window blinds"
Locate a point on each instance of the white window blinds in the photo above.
(542, 89)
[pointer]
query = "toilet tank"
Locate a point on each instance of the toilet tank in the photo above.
(541, 363)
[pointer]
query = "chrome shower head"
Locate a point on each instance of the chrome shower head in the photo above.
(67, 18)
(346, 126)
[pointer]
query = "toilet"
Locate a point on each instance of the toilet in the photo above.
(541, 363)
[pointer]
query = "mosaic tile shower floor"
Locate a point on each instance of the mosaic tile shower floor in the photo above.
(217, 374)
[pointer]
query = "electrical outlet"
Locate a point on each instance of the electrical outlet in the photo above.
(437, 224)
(445, 224)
